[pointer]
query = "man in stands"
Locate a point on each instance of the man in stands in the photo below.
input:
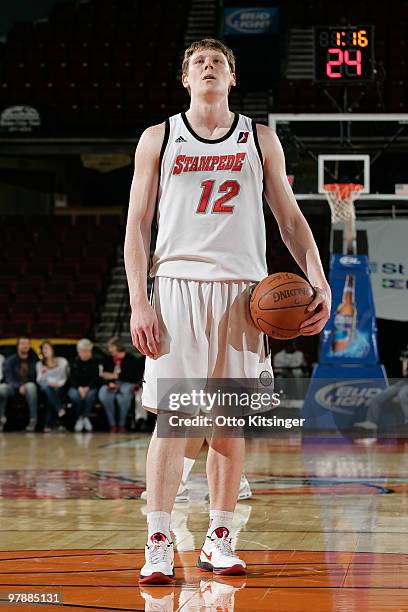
(121, 371)
(19, 379)
(85, 382)
(289, 362)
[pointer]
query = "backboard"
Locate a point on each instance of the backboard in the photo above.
(363, 148)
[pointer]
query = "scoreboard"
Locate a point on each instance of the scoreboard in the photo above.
(344, 54)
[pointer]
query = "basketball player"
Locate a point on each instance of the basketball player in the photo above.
(207, 169)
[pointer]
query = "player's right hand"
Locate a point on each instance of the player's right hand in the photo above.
(144, 329)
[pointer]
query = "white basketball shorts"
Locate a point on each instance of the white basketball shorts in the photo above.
(205, 332)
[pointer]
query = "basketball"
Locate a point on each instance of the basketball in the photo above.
(279, 304)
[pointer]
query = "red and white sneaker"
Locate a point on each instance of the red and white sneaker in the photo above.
(159, 556)
(218, 556)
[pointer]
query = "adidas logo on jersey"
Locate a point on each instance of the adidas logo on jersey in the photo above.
(180, 139)
(242, 137)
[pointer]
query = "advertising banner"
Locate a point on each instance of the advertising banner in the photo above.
(339, 397)
(388, 254)
(249, 20)
(349, 337)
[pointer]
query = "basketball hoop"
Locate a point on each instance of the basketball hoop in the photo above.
(341, 198)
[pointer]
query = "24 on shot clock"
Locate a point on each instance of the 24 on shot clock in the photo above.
(344, 54)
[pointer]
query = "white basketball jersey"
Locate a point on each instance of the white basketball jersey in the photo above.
(210, 216)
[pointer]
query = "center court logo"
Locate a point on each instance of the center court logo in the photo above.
(344, 397)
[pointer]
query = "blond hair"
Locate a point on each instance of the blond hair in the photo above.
(208, 43)
(84, 345)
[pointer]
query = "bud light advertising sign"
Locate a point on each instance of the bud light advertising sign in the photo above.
(339, 397)
(250, 20)
(349, 337)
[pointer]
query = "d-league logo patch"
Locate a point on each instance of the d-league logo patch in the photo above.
(180, 139)
(242, 137)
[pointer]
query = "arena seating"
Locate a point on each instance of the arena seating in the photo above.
(53, 275)
(95, 63)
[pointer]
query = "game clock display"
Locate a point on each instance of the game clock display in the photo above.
(344, 54)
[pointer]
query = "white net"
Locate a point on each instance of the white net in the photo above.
(341, 198)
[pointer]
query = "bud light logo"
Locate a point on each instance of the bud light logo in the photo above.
(345, 396)
(349, 260)
(250, 20)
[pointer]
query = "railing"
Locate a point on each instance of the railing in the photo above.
(120, 317)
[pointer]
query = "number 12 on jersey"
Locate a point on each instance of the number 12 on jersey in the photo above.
(230, 189)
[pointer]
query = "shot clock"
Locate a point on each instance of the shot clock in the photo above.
(344, 54)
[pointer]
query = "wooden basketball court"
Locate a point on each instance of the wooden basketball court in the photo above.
(326, 528)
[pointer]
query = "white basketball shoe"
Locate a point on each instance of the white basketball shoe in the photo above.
(218, 556)
(159, 557)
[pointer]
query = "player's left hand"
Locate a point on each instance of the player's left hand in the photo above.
(320, 306)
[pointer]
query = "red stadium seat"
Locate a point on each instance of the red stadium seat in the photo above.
(14, 329)
(16, 268)
(72, 251)
(32, 285)
(52, 298)
(62, 278)
(82, 298)
(45, 328)
(57, 287)
(89, 95)
(57, 308)
(91, 284)
(67, 267)
(94, 267)
(75, 328)
(50, 316)
(23, 320)
(78, 52)
(30, 299)
(4, 302)
(8, 277)
(79, 306)
(21, 308)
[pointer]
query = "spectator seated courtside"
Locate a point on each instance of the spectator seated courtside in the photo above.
(19, 373)
(84, 384)
(52, 375)
(121, 373)
(290, 362)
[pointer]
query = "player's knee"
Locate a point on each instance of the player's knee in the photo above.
(228, 446)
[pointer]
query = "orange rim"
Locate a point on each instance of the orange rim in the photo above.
(343, 190)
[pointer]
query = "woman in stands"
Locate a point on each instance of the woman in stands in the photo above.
(52, 375)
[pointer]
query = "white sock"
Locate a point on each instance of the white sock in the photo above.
(158, 522)
(187, 466)
(220, 518)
